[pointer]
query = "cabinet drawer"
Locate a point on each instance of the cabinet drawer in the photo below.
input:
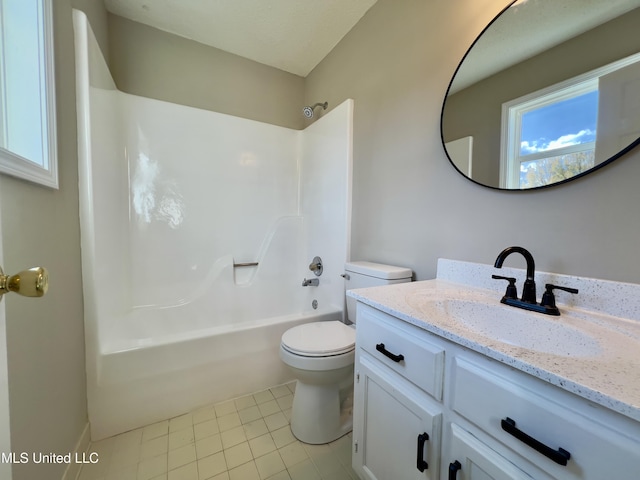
(541, 429)
(401, 347)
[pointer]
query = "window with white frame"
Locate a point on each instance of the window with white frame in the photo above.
(27, 104)
(550, 135)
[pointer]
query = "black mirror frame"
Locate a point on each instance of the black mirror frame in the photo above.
(542, 187)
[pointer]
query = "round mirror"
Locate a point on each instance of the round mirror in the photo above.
(548, 92)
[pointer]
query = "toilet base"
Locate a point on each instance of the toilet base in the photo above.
(322, 413)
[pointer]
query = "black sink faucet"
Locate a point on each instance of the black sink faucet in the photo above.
(529, 288)
(528, 300)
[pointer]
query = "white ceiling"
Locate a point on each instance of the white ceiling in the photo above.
(292, 35)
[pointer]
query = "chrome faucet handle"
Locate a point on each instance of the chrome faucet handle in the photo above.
(316, 266)
(512, 291)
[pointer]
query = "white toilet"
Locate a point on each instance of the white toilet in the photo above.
(321, 356)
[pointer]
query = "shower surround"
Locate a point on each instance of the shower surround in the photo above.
(172, 199)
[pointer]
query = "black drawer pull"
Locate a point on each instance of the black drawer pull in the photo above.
(560, 456)
(453, 469)
(387, 353)
(421, 464)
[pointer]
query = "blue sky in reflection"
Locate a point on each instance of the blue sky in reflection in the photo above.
(568, 122)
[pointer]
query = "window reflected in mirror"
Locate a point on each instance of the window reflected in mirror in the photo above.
(549, 92)
(552, 135)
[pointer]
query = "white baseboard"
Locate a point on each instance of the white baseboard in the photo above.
(73, 469)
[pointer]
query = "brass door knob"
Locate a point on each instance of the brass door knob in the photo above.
(29, 283)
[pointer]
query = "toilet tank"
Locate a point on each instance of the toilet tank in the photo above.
(369, 274)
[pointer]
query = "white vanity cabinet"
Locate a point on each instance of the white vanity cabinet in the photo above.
(484, 419)
(399, 431)
(397, 424)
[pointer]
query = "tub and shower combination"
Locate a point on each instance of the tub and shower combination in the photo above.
(197, 231)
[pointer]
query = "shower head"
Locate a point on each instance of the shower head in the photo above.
(308, 111)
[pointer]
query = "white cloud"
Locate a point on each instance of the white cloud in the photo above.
(527, 148)
(564, 141)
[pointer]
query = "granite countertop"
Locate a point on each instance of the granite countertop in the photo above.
(607, 374)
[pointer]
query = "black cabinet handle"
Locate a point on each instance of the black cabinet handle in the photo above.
(453, 469)
(421, 464)
(560, 456)
(387, 353)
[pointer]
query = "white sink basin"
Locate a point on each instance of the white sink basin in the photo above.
(529, 330)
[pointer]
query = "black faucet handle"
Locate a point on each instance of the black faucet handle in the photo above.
(512, 291)
(549, 299)
(551, 287)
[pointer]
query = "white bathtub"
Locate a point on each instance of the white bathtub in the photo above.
(165, 376)
(170, 198)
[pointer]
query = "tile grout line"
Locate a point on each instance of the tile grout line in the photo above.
(244, 438)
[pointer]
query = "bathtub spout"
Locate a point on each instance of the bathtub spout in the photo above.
(314, 282)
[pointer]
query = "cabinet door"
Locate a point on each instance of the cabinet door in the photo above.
(471, 459)
(397, 427)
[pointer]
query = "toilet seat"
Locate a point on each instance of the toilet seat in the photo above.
(319, 339)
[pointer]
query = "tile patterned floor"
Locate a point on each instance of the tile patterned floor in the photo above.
(247, 438)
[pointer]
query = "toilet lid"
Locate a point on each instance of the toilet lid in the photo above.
(320, 339)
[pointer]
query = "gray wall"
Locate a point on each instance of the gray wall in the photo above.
(410, 205)
(152, 63)
(45, 337)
